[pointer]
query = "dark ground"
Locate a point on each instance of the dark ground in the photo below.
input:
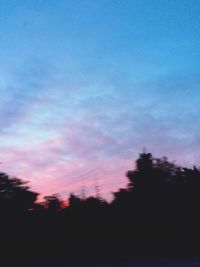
(43, 262)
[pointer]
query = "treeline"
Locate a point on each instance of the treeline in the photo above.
(159, 210)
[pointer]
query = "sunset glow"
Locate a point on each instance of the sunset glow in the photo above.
(86, 85)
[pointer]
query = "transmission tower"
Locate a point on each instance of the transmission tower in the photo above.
(97, 190)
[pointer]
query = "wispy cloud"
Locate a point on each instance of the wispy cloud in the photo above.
(85, 87)
(56, 136)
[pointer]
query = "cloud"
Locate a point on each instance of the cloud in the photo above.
(61, 134)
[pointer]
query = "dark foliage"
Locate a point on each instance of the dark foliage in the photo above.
(158, 211)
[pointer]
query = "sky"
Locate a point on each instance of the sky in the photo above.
(86, 85)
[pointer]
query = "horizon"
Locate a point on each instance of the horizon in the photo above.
(85, 85)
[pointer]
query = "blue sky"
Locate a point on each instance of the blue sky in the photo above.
(85, 85)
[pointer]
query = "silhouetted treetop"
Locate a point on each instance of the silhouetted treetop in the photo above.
(151, 173)
(15, 193)
(53, 203)
(144, 163)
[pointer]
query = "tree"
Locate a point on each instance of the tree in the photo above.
(53, 203)
(140, 178)
(15, 194)
(75, 201)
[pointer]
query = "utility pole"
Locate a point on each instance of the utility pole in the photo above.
(144, 150)
(83, 192)
(97, 191)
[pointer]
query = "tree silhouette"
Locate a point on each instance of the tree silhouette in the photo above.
(53, 203)
(15, 194)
